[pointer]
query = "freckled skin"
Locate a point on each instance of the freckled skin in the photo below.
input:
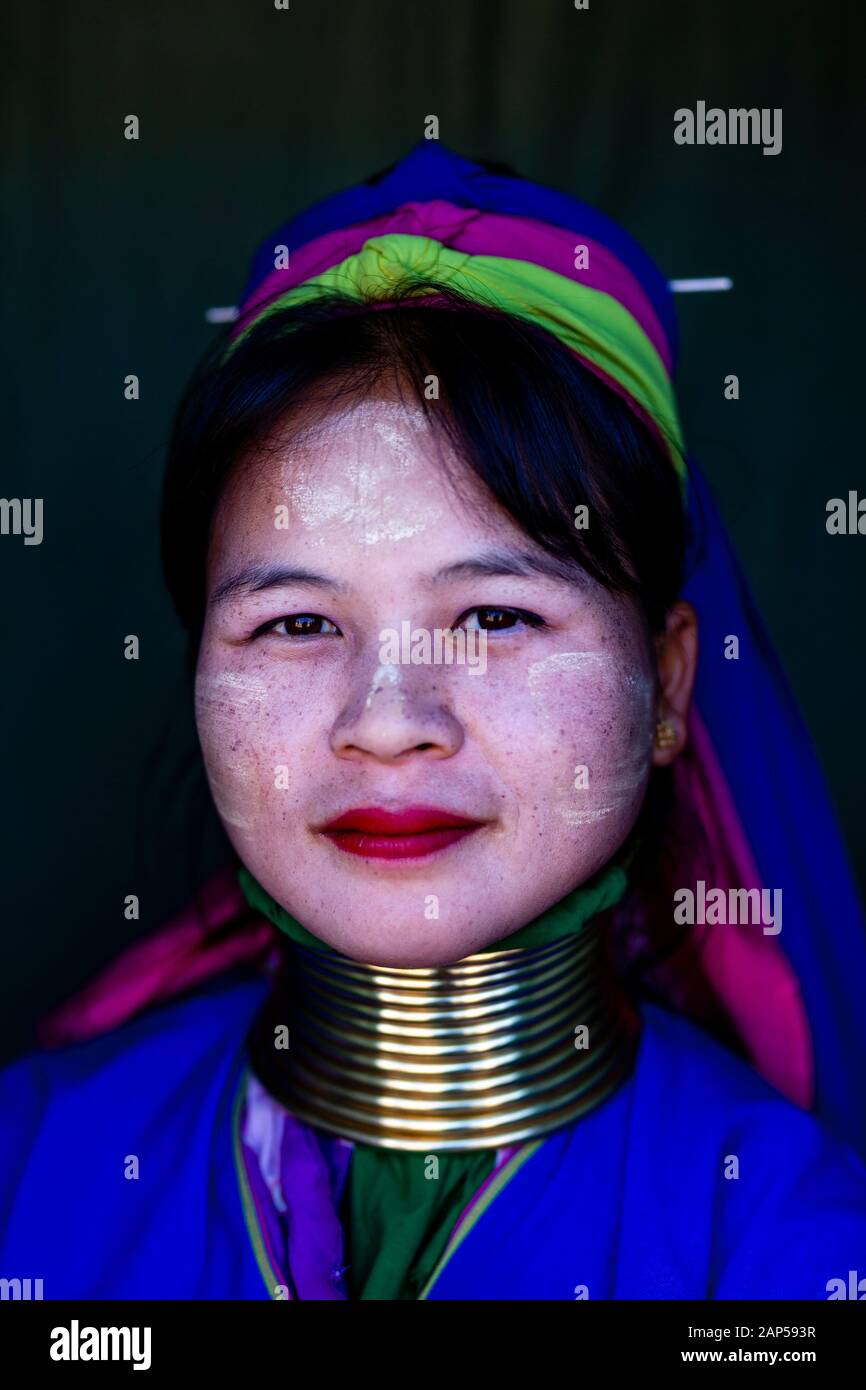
(500, 746)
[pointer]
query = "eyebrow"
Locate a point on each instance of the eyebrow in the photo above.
(252, 579)
(256, 578)
(521, 563)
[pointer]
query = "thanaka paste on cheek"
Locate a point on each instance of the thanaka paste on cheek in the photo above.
(231, 690)
(608, 708)
(223, 703)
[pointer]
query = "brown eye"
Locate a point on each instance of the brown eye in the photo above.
(500, 619)
(492, 619)
(298, 625)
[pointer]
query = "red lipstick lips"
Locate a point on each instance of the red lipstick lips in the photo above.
(411, 833)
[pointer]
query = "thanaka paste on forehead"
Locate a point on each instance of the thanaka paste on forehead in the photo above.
(365, 502)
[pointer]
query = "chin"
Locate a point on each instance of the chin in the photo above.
(407, 953)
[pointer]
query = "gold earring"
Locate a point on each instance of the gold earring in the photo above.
(666, 734)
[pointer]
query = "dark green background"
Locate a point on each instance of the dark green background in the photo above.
(112, 250)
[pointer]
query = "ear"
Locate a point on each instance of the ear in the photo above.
(677, 660)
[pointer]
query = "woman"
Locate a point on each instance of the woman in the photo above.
(429, 524)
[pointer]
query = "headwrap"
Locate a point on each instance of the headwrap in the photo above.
(749, 775)
(585, 311)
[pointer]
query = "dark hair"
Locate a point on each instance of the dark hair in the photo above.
(537, 427)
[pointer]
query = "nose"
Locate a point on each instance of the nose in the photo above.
(397, 713)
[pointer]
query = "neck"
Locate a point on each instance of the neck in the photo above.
(495, 1049)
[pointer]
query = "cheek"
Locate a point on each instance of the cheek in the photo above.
(583, 756)
(250, 729)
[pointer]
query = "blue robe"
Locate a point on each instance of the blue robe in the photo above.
(637, 1200)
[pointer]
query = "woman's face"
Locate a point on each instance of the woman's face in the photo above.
(538, 732)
